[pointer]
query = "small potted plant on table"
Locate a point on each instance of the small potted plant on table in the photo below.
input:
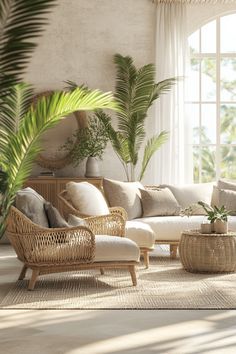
(218, 217)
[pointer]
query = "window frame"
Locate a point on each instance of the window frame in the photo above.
(218, 56)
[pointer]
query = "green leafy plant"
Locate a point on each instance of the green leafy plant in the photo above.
(91, 141)
(215, 213)
(135, 92)
(21, 123)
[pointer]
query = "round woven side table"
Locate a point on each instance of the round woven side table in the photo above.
(211, 253)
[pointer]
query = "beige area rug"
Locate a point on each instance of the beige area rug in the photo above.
(165, 285)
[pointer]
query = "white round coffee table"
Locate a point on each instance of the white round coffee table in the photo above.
(210, 253)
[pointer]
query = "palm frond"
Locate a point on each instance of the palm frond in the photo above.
(153, 144)
(3, 182)
(143, 88)
(72, 85)
(24, 146)
(20, 22)
(161, 88)
(15, 106)
(118, 141)
(125, 79)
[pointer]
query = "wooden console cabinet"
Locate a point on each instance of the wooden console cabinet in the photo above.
(49, 187)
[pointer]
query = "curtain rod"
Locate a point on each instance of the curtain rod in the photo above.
(213, 2)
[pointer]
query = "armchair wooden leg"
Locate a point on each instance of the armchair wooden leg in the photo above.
(23, 272)
(33, 279)
(102, 271)
(146, 258)
(133, 274)
(173, 251)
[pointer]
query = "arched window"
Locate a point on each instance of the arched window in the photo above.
(212, 99)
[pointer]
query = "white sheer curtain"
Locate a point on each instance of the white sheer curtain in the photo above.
(169, 165)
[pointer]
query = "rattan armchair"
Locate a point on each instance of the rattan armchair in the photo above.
(117, 213)
(47, 250)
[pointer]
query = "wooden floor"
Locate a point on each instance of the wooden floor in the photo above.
(107, 332)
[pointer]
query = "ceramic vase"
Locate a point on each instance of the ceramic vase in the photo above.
(221, 227)
(206, 228)
(92, 167)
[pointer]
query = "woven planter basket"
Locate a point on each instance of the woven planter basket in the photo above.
(213, 253)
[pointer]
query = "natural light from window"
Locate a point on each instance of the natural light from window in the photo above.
(211, 100)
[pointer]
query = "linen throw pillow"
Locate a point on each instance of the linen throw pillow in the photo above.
(228, 199)
(125, 195)
(55, 219)
(159, 202)
(87, 198)
(190, 194)
(31, 204)
(223, 184)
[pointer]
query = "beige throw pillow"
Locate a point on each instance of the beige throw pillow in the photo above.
(125, 195)
(87, 198)
(190, 194)
(55, 219)
(228, 199)
(223, 184)
(159, 202)
(31, 204)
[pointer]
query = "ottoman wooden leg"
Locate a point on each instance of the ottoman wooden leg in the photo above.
(173, 251)
(146, 258)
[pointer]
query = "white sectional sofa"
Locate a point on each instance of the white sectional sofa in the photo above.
(167, 229)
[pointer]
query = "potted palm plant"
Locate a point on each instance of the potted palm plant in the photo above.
(136, 90)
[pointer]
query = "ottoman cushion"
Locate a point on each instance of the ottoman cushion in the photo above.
(140, 233)
(114, 248)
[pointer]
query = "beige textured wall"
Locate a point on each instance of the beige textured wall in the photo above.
(79, 45)
(81, 40)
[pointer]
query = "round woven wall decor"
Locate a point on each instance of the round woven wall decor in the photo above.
(58, 163)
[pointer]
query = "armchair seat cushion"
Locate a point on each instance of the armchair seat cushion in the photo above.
(114, 248)
(141, 233)
(107, 249)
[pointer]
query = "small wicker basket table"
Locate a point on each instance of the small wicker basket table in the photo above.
(211, 253)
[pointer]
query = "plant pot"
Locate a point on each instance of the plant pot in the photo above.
(92, 168)
(206, 228)
(221, 227)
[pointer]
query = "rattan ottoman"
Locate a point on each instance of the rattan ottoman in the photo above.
(211, 253)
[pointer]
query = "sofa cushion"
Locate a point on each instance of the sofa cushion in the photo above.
(224, 184)
(125, 195)
(228, 199)
(159, 202)
(87, 198)
(189, 194)
(107, 249)
(114, 248)
(55, 219)
(141, 233)
(31, 204)
(170, 227)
